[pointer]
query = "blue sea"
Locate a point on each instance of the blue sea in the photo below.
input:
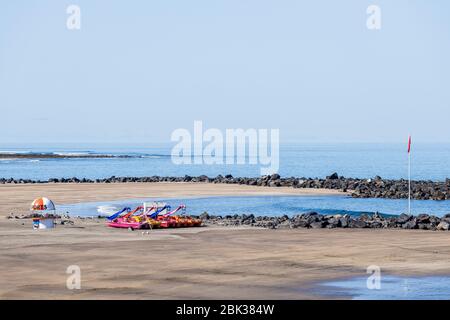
(429, 162)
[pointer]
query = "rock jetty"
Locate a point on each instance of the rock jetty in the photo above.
(314, 220)
(376, 187)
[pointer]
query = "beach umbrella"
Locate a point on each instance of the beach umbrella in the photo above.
(42, 204)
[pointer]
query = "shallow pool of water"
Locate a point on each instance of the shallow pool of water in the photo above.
(274, 205)
(391, 288)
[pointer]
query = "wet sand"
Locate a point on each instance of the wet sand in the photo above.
(207, 262)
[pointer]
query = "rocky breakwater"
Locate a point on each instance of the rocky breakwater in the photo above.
(59, 219)
(313, 220)
(358, 188)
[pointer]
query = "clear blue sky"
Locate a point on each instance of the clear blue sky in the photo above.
(139, 69)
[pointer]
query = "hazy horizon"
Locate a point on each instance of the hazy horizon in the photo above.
(138, 70)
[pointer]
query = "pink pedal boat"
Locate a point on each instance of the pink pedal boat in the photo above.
(127, 222)
(119, 223)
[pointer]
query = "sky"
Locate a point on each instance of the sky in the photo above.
(138, 70)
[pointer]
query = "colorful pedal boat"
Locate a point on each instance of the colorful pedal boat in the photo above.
(167, 222)
(145, 220)
(179, 222)
(134, 223)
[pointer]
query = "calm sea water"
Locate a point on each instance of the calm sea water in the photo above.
(270, 205)
(430, 161)
(391, 288)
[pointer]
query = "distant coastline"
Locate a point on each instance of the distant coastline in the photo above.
(60, 156)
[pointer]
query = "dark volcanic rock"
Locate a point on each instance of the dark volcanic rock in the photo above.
(344, 221)
(318, 225)
(443, 226)
(359, 188)
(403, 218)
(314, 220)
(357, 224)
(275, 176)
(334, 176)
(411, 224)
(204, 216)
(423, 218)
(334, 222)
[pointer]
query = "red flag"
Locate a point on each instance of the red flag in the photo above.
(409, 144)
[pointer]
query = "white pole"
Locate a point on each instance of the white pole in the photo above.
(409, 182)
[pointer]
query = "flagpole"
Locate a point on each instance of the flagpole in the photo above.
(409, 175)
(409, 182)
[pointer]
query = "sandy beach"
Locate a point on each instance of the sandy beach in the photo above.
(195, 263)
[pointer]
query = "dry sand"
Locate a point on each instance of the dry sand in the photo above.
(207, 262)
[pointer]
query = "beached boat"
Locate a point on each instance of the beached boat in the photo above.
(165, 220)
(143, 218)
(119, 223)
(136, 219)
(169, 219)
(193, 222)
(147, 217)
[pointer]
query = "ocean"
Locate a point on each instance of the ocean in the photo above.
(429, 162)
